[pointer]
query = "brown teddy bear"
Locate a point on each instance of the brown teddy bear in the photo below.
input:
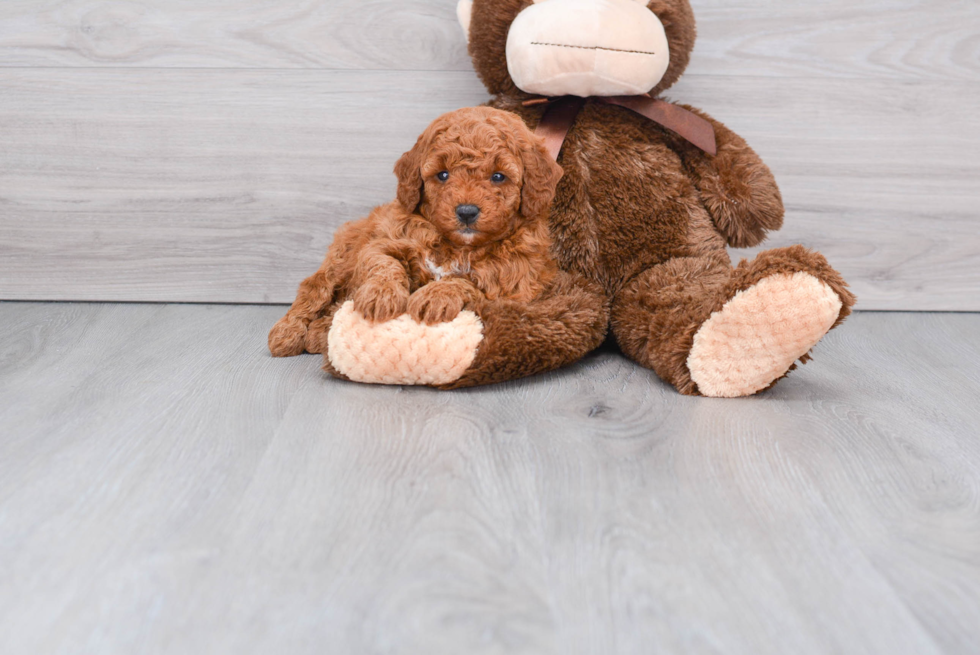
(651, 195)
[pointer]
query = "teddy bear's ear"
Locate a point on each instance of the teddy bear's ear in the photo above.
(464, 12)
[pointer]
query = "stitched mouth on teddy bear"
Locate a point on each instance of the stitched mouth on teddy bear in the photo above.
(587, 48)
(595, 47)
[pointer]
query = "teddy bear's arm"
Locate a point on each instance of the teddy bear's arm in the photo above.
(737, 188)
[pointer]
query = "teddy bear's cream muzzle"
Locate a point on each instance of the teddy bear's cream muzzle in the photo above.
(587, 48)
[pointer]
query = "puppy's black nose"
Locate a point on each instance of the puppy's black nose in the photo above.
(467, 214)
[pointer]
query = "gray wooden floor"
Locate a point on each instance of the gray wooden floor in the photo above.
(167, 487)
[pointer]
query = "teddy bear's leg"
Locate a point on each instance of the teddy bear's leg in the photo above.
(557, 329)
(714, 331)
(492, 342)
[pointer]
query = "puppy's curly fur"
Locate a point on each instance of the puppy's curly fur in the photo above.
(415, 255)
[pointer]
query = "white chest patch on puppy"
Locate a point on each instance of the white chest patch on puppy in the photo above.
(439, 272)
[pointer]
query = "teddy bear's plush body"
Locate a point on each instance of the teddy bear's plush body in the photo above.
(641, 217)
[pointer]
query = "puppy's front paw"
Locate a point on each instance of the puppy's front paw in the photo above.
(287, 338)
(381, 301)
(435, 303)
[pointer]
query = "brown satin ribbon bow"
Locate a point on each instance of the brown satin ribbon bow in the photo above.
(560, 115)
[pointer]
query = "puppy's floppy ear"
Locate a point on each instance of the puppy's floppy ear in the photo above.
(408, 169)
(541, 176)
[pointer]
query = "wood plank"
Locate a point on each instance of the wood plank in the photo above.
(331, 34)
(877, 39)
(188, 185)
(201, 185)
(897, 39)
(166, 486)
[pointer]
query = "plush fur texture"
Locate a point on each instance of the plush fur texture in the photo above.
(644, 216)
(416, 256)
(760, 333)
(402, 351)
(639, 226)
(657, 316)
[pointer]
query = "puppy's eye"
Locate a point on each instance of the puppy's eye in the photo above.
(497, 178)
(442, 176)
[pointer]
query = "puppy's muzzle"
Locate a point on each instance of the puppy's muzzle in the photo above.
(467, 214)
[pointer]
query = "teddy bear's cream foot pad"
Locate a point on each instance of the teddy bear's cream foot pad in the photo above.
(760, 333)
(402, 351)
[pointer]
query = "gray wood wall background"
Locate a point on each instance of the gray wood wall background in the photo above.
(178, 150)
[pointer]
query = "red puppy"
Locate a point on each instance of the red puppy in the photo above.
(470, 223)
